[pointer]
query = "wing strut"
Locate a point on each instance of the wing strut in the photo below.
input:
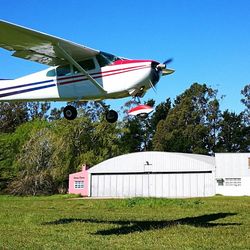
(71, 60)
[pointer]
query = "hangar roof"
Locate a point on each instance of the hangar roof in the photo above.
(153, 161)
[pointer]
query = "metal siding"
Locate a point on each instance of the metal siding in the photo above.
(119, 187)
(151, 185)
(154, 185)
(139, 185)
(171, 186)
(106, 190)
(102, 185)
(232, 164)
(206, 185)
(131, 186)
(94, 186)
(145, 189)
(178, 178)
(113, 186)
(126, 185)
(193, 185)
(210, 184)
(159, 186)
(166, 183)
(200, 185)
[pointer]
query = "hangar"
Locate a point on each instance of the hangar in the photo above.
(153, 174)
(163, 174)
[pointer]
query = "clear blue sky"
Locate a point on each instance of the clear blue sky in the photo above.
(208, 39)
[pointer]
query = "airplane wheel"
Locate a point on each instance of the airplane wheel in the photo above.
(70, 112)
(111, 116)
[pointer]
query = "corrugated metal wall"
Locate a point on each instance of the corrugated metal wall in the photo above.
(188, 184)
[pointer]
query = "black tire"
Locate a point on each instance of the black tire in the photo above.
(111, 116)
(70, 112)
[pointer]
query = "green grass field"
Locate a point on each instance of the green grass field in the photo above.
(57, 222)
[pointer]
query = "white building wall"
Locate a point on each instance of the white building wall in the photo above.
(153, 185)
(243, 189)
(233, 174)
(232, 164)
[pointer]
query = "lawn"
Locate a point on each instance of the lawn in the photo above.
(59, 222)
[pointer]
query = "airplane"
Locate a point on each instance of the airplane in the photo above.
(76, 73)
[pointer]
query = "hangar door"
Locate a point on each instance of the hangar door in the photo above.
(181, 184)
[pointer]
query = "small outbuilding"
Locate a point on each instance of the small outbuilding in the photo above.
(233, 174)
(79, 182)
(153, 174)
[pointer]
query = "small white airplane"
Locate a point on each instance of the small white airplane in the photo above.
(77, 73)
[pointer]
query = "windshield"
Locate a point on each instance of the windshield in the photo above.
(105, 59)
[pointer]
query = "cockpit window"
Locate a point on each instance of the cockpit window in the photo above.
(67, 70)
(63, 70)
(88, 64)
(51, 73)
(105, 59)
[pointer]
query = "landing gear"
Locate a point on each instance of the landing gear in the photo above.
(70, 112)
(111, 116)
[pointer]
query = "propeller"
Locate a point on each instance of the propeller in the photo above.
(163, 67)
(168, 61)
(159, 69)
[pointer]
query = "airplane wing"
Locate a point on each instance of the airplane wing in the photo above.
(40, 47)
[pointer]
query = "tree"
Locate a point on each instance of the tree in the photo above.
(92, 109)
(7, 157)
(132, 136)
(246, 101)
(234, 135)
(160, 113)
(12, 115)
(187, 126)
(106, 140)
(11, 145)
(213, 123)
(55, 114)
(39, 163)
(38, 110)
(138, 132)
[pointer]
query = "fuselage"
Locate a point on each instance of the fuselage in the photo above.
(119, 79)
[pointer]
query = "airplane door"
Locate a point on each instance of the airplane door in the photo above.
(82, 86)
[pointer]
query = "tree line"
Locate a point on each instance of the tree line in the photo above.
(39, 148)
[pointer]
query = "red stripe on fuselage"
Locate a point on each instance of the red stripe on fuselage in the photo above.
(101, 74)
(127, 61)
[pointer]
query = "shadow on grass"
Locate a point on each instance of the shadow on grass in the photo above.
(131, 226)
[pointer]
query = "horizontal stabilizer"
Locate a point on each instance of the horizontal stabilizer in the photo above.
(140, 109)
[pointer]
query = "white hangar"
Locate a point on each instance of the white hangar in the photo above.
(153, 174)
